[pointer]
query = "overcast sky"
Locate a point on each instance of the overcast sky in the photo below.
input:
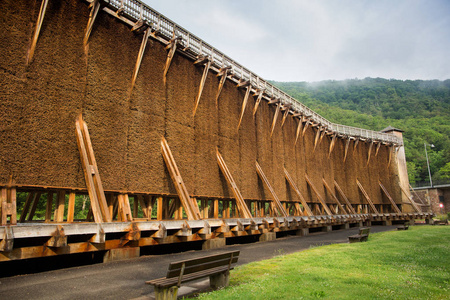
(299, 40)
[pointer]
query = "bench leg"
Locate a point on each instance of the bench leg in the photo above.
(169, 293)
(219, 280)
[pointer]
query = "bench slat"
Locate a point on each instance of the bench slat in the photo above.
(167, 282)
(175, 272)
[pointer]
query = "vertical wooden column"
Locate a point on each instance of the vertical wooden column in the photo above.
(59, 207)
(26, 207)
(124, 213)
(71, 207)
(8, 206)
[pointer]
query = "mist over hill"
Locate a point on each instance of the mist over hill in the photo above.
(419, 107)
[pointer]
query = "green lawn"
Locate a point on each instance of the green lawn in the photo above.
(412, 264)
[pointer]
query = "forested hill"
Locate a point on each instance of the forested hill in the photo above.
(421, 108)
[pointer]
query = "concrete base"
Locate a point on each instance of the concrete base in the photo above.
(214, 244)
(166, 293)
(346, 226)
(219, 280)
(303, 231)
(387, 223)
(268, 236)
(328, 228)
(121, 254)
(366, 224)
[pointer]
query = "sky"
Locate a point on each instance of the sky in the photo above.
(314, 40)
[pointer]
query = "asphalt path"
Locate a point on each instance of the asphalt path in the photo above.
(125, 279)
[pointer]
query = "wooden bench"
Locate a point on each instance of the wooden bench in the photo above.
(405, 226)
(361, 237)
(216, 267)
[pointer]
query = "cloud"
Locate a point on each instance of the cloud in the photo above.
(295, 40)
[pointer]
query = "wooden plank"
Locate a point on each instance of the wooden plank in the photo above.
(192, 211)
(341, 192)
(324, 205)
(299, 194)
(37, 30)
(244, 212)
(275, 117)
(71, 207)
(202, 84)
(276, 201)
(361, 188)
(394, 206)
(139, 58)
(124, 214)
(244, 105)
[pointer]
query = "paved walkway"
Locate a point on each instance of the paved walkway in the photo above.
(125, 279)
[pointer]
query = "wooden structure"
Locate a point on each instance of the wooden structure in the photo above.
(217, 267)
(120, 218)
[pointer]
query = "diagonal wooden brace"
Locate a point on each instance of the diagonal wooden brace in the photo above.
(37, 30)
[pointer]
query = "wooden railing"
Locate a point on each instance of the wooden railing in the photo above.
(191, 44)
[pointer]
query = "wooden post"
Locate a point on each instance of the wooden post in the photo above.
(159, 209)
(59, 207)
(139, 58)
(71, 207)
(49, 207)
(34, 206)
(8, 206)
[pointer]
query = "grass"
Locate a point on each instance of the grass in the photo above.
(412, 264)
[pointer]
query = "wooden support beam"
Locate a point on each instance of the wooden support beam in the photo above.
(274, 100)
(355, 144)
(159, 212)
(71, 207)
(341, 192)
(244, 212)
(394, 206)
(308, 122)
(378, 148)
(8, 206)
(202, 59)
(223, 73)
(95, 7)
(139, 58)
(324, 204)
(124, 213)
(333, 142)
(26, 207)
(299, 194)
(409, 197)
(299, 128)
(346, 148)
(202, 84)
(260, 94)
(37, 30)
(34, 206)
(92, 176)
(329, 190)
(243, 84)
(370, 152)
(276, 201)
(391, 151)
(317, 138)
(191, 208)
(172, 48)
(275, 117)
(286, 113)
(244, 105)
(363, 191)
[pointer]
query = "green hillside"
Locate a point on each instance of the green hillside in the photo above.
(420, 108)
